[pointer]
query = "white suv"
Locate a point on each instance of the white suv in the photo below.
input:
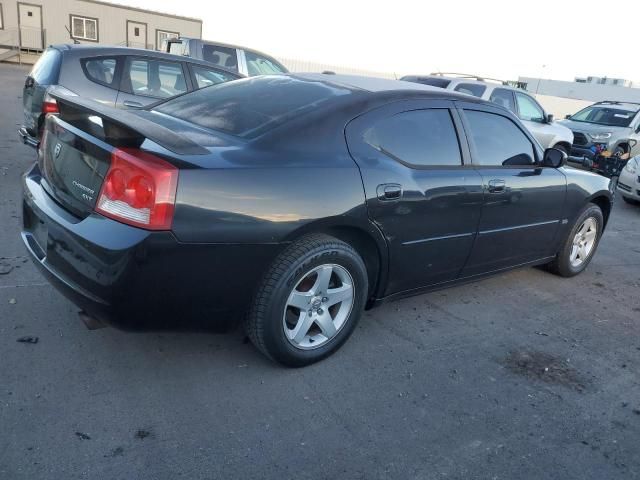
(533, 116)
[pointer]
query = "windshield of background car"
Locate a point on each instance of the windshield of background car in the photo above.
(614, 117)
(273, 101)
(259, 65)
(45, 71)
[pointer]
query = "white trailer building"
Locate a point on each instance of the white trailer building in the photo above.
(34, 24)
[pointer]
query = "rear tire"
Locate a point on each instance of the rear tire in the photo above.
(309, 301)
(562, 147)
(580, 244)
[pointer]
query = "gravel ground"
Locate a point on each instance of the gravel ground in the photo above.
(521, 376)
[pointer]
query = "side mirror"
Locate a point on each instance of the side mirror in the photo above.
(567, 116)
(554, 158)
(549, 118)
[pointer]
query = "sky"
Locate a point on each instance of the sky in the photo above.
(558, 39)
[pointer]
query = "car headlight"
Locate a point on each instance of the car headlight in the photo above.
(600, 136)
(632, 166)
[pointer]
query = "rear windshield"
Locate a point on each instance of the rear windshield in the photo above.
(613, 117)
(46, 69)
(251, 106)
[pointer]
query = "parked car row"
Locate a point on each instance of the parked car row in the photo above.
(288, 202)
(115, 76)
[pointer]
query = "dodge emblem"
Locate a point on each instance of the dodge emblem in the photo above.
(56, 150)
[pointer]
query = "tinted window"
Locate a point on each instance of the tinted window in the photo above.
(153, 78)
(259, 65)
(274, 100)
(504, 98)
(101, 70)
(419, 137)
(528, 109)
(498, 141)
(471, 89)
(223, 56)
(206, 77)
(45, 71)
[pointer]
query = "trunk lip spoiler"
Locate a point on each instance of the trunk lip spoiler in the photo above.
(155, 132)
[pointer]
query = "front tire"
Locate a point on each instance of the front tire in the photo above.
(309, 301)
(580, 244)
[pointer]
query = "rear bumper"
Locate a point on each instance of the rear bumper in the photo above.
(135, 279)
(27, 138)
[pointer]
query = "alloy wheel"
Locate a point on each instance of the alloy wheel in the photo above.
(318, 306)
(583, 242)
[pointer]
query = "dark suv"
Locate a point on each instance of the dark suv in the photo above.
(114, 76)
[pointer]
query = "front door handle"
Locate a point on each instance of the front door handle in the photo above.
(388, 192)
(132, 104)
(496, 186)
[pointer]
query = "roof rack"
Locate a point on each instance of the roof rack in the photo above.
(615, 102)
(468, 76)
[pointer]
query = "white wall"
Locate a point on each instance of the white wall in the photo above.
(581, 91)
(560, 107)
(112, 20)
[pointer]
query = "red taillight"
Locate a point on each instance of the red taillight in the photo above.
(139, 189)
(49, 104)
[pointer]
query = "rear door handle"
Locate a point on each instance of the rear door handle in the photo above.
(388, 192)
(496, 186)
(132, 104)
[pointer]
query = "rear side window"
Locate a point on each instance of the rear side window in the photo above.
(471, 89)
(504, 98)
(205, 77)
(100, 70)
(153, 78)
(179, 47)
(46, 69)
(274, 100)
(222, 56)
(259, 65)
(419, 138)
(498, 141)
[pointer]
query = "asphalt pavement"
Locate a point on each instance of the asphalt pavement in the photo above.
(522, 376)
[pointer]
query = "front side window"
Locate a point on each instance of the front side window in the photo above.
(418, 138)
(259, 65)
(84, 28)
(206, 77)
(100, 70)
(528, 109)
(498, 141)
(474, 89)
(504, 98)
(223, 56)
(153, 78)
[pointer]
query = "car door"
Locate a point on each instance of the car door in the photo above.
(145, 80)
(523, 201)
(533, 117)
(420, 189)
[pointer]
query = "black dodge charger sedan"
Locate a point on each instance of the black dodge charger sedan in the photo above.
(293, 202)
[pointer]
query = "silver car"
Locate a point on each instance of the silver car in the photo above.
(629, 182)
(612, 126)
(529, 111)
(116, 76)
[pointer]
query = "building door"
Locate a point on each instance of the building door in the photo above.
(136, 34)
(30, 23)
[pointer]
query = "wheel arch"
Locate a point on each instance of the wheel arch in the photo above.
(563, 144)
(367, 240)
(604, 202)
